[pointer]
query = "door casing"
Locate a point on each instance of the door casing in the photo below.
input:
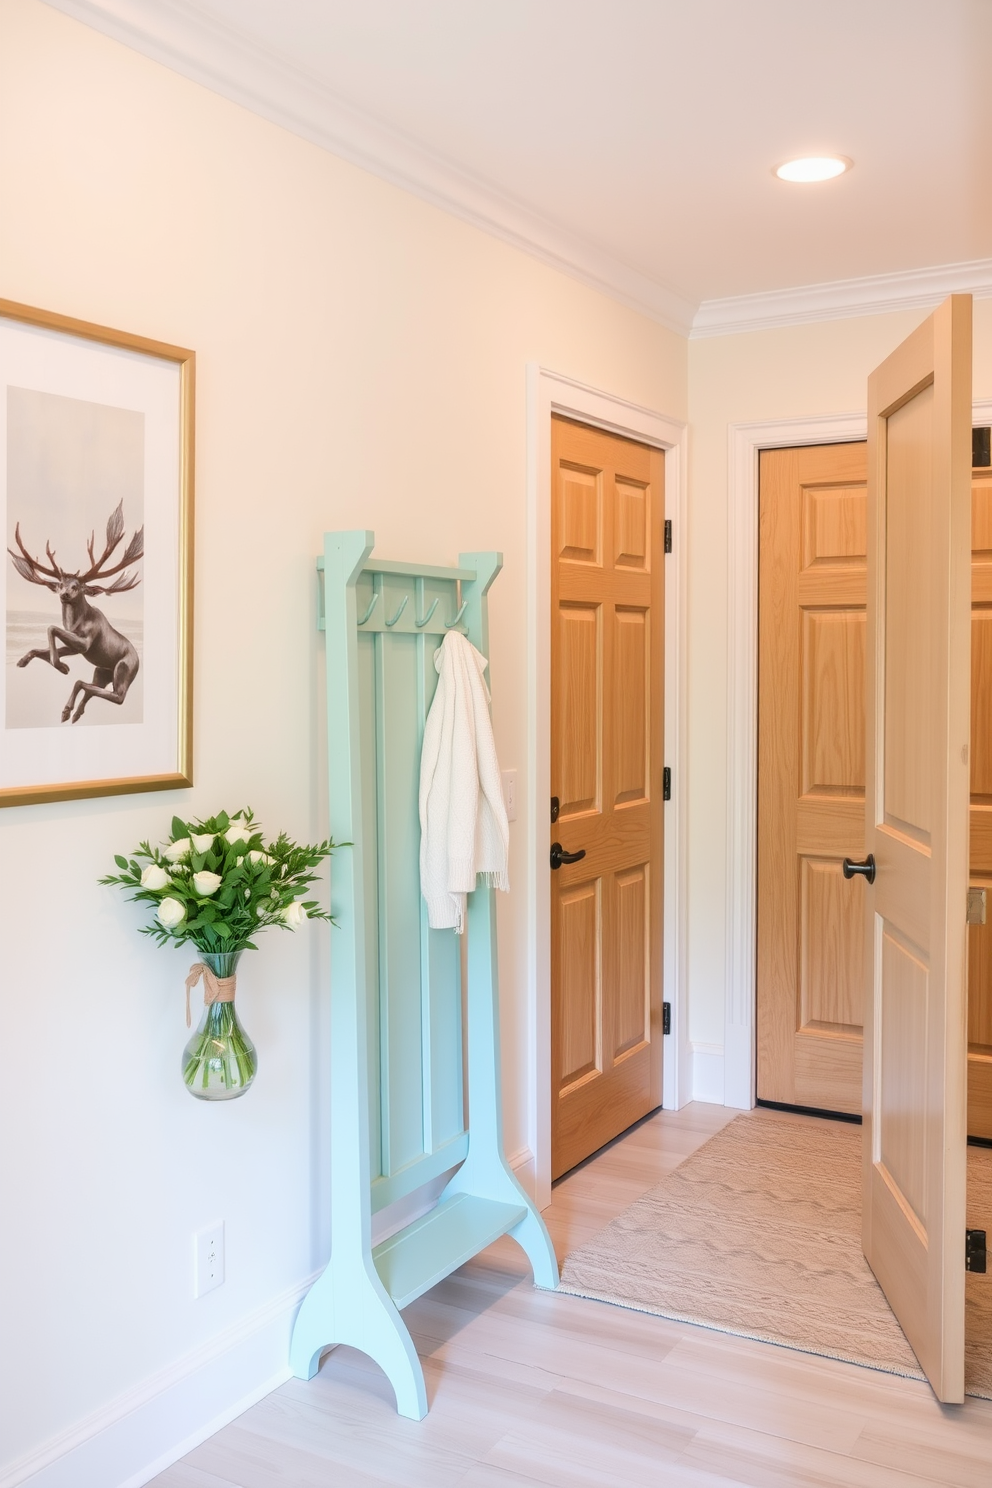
(548, 393)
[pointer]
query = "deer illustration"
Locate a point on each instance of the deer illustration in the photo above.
(85, 631)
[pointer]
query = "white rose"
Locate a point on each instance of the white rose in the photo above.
(170, 912)
(206, 883)
(259, 857)
(177, 850)
(237, 834)
(294, 914)
(204, 842)
(154, 877)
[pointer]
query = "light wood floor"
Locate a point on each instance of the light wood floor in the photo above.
(532, 1388)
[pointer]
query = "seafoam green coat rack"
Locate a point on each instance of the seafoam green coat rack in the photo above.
(397, 1098)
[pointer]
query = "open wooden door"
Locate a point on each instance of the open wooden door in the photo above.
(916, 831)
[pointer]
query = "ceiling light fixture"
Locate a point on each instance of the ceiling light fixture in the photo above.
(814, 168)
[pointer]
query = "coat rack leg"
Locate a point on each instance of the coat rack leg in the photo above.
(485, 1171)
(532, 1236)
(355, 1310)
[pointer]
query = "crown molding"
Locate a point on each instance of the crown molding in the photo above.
(179, 36)
(915, 289)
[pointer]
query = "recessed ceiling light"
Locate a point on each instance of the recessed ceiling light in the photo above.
(814, 168)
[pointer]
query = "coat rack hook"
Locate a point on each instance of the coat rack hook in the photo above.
(450, 624)
(403, 604)
(422, 623)
(372, 605)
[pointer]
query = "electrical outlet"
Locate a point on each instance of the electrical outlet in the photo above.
(208, 1259)
(510, 794)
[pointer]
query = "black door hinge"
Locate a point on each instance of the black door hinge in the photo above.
(668, 535)
(666, 783)
(981, 446)
(666, 1017)
(975, 1253)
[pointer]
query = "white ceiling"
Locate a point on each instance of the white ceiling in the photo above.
(633, 141)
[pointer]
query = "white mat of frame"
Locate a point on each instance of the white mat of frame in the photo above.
(759, 1234)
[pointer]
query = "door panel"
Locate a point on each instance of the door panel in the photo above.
(833, 724)
(580, 953)
(909, 744)
(580, 680)
(832, 938)
(811, 775)
(918, 699)
(632, 1019)
(607, 732)
(632, 683)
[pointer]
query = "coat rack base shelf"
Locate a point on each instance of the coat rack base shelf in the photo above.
(398, 1063)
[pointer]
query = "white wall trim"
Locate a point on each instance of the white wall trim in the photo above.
(708, 1077)
(547, 393)
(522, 1163)
(914, 289)
(143, 1430)
(745, 442)
(227, 61)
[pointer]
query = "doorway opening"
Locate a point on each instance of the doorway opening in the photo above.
(550, 394)
(811, 755)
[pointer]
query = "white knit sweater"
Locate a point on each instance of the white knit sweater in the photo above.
(463, 826)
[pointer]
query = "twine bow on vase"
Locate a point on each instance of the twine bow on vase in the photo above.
(215, 988)
(219, 1062)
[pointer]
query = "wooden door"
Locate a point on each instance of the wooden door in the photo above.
(980, 936)
(918, 708)
(811, 774)
(811, 595)
(607, 691)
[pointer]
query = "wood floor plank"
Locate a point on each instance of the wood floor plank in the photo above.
(773, 1463)
(184, 1475)
(969, 1467)
(532, 1389)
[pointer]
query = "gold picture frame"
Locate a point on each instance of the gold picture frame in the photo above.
(92, 414)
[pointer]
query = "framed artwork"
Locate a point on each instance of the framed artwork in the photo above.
(96, 464)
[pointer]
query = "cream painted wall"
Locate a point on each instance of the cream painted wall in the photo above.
(361, 363)
(794, 372)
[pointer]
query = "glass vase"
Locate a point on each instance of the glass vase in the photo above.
(220, 1061)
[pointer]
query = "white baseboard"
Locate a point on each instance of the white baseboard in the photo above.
(145, 1429)
(525, 1170)
(738, 1066)
(707, 1073)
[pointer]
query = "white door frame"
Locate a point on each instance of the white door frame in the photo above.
(549, 393)
(745, 442)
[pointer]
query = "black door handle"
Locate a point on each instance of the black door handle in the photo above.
(559, 855)
(866, 869)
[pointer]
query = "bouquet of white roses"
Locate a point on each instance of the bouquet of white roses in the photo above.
(216, 882)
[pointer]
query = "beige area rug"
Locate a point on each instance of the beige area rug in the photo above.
(759, 1234)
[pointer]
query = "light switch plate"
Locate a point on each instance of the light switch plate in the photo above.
(510, 794)
(208, 1259)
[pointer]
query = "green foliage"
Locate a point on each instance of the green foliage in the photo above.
(222, 881)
